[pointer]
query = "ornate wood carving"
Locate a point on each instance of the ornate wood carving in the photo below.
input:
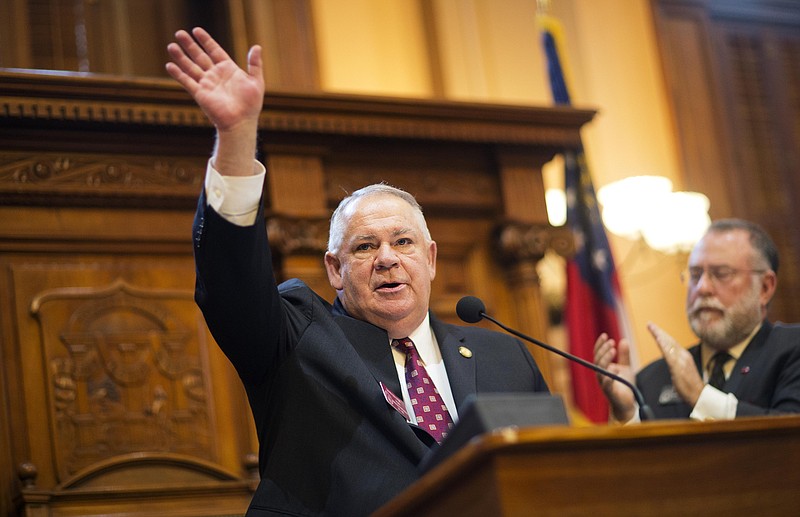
(519, 242)
(124, 373)
(26, 175)
(298, 236)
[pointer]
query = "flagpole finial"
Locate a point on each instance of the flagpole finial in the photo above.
(542, 6)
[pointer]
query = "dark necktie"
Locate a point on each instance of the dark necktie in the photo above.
(717, 376)
(429, 409)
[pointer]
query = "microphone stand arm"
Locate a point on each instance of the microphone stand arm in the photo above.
(645, 413)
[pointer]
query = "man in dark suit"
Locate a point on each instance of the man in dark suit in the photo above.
(339, 432)
(744, 365)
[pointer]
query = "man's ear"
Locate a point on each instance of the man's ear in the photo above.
(432, 251)
(768, 285)
(334, 269)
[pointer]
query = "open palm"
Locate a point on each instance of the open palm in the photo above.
(228, 95)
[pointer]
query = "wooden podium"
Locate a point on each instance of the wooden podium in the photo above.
(743, 467)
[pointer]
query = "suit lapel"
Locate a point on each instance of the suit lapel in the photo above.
(371, 343)
(748, 358)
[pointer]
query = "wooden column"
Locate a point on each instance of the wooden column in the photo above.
(522, 240)
(298, 220)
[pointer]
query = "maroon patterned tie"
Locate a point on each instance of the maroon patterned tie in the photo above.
(429, 409)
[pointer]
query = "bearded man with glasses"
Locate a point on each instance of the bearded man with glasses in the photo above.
(744, 365)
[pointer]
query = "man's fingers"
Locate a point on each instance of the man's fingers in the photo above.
(667, 344)
(212, 52)
(195, 60)
(254, 62)
(184, 62)
(624, 352)
(189, 84)
(602, 345)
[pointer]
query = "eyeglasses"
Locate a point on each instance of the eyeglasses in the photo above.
(719, 275)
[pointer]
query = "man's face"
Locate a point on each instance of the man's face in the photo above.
(384, 267)
(722, 311)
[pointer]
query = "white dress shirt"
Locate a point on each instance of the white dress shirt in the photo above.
(715, 404)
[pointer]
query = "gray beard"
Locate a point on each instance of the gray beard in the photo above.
(735, 325)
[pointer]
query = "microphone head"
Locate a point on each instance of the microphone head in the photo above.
(470, 309)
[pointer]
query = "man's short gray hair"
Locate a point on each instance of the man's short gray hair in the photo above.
(339, 219)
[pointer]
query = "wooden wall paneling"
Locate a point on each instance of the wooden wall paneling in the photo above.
(523, 185)
(52, 36)
(285, 31)
(146, 27)
(121, 37)
(701, 132)
(98, 181)
(765, 140)
(15, 49)
(127, 37)
(104, 44)
(295, 185)
(12, 429)
(38, 34)
(787, 57)
(295, 47)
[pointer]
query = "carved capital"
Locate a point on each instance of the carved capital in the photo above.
(519, 243)
(288, 236)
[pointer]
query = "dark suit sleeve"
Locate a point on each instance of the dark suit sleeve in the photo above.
(773, 384)
(236, 291)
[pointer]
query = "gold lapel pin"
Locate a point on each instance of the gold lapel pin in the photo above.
(464, 351)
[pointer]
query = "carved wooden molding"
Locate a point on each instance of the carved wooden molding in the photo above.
(142, 483)
(27, 95)
(291, 236)
(80, 177)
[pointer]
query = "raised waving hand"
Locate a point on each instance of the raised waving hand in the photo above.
(230, 97)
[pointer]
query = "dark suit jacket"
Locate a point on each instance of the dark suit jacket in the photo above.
(330, 444)
(765, 379)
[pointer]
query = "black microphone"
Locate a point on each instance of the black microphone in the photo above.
(471, 310)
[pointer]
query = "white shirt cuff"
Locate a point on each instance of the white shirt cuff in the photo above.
(235, 198)
(714, 404)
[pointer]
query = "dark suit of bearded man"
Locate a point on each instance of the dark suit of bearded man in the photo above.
(765, 379)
